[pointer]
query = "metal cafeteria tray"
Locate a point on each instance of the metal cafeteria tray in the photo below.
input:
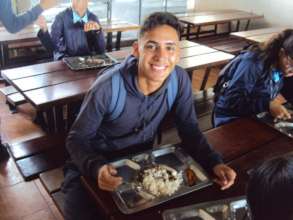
(227, 209)
(89, 62)
(284, 126)
(131, 197)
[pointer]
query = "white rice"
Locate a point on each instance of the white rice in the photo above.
(161, 180)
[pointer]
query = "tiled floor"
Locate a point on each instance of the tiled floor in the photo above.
(20, 200)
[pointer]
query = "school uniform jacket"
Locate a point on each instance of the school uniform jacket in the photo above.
(94, 141)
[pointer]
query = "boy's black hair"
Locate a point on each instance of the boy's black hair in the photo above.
(270, 190)
(158, 19)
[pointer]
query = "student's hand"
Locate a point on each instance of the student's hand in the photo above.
(279, 111)
(42, 23)
(225, 176)
(45, 4)
(91, 26)
(107, 179)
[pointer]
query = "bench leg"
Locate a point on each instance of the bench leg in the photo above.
(190, 75)
(40, 120)
(118, 40)
(247, 24)
(60, 125)
(50, 120)
(109, 41)
(188, 31)
(12, 108)
(238, 25)
(216, 29)
(205, 78)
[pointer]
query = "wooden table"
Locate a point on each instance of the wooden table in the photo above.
(258, 35)
(29, 34)
(242, 150)
(199, 20)
(50, 86)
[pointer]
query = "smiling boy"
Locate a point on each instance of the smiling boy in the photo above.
(94, 140)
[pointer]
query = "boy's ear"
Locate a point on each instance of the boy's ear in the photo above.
(135, 51)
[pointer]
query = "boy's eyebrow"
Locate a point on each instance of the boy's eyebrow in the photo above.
(154, 42)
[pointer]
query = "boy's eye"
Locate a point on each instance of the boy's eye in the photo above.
(171, 47)
(151, 47)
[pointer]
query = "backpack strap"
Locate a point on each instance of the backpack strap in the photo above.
(118, 96)
(172, 89)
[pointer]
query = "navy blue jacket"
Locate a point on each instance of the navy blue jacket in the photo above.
(14, 23)
(93, 141)
(244, 88)
(69, 38)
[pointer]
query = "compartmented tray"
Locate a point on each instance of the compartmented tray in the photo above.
(182, 175)
(284, 126)
(89, 62)
(227, 209)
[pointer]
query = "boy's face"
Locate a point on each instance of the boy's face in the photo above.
(80, 6)
(158, 53)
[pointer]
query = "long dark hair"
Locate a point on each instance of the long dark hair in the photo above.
(269, 51)
(270, 190)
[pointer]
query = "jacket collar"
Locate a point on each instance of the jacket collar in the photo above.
(76, 18)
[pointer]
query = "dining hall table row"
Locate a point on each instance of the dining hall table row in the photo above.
(50, 86)
(29, 35)
(258, 35)
(215, 18)
(243, 144)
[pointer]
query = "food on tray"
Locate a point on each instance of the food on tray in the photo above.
(204, 215)
(198, 173)
(160, 180)
(220, 211)
(93, 60)
(191, 177)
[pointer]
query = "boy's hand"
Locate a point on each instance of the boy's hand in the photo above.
(225, 176)
(107, 179)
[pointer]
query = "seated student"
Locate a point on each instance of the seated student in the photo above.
(250, 83)
(269, 191)
(145, 82)
(75, 32)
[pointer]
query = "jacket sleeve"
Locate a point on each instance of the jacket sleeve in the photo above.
(98, 39)
(57, 35)
(193, 141)
(81, 140)
(46, 41)
(239, 96)
(14, 23)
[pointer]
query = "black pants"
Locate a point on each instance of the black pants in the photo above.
(77, 205)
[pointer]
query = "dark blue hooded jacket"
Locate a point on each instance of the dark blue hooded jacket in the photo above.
(93, 140)
(244, 88)
(69, 39)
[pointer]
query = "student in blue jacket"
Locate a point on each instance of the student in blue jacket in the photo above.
(94, 140)
(75, 32)
(14, 23)
(250, 83)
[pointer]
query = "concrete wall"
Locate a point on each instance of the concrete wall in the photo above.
(276, 12)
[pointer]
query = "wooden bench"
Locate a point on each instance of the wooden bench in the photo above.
(224, 43)
(39, 154)
(52, 180)
(13, 98)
